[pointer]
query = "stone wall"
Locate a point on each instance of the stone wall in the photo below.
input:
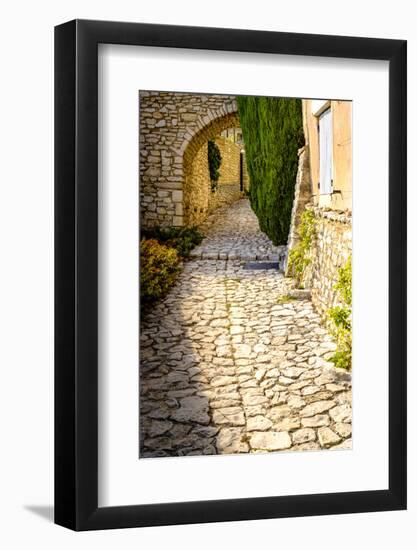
(199, 199)
(331, 250)
(197, 189)
(173, 128)
(230, 165)
(225, 194)
(228, 185)
(302, 195)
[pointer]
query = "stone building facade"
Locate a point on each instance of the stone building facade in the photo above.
(174, 131)
(331, 206)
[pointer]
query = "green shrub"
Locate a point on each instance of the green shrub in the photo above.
(342, 359)
(273, 132)
(341, 318)
(300, 256)
(183, 239)
(159, 267)
(214, 161)
(344, 283)
(285, 299)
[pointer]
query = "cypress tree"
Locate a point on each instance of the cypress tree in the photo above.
(273, 132)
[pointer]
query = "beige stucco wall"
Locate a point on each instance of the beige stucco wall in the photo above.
(341, 198)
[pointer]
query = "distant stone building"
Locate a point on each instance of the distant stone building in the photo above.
(234, 135)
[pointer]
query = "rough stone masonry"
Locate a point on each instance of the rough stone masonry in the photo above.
(173, 128)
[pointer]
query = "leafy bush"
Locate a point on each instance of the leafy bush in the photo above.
(159, 266)
(299, 257)
(183, 239)
(341, 318)
(273, 133)
(344, 283)
(214, 161)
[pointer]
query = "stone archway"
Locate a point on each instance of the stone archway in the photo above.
(173, 128)
(198, 197)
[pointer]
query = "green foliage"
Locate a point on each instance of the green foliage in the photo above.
(214, 162)
(285, 299)
(183, 239)
(300, 256)
(273, 132)
(344, 283)
(159, 266)
(342, 359)
(341, 318)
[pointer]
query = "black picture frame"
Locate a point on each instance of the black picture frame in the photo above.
(76, 272)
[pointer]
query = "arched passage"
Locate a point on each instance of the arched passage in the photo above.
(198, 197)
(174, 126)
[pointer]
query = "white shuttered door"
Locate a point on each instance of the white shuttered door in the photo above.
(326, 152)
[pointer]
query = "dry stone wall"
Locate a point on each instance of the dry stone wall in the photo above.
(174, 127)
(331, 250)
(302, 195)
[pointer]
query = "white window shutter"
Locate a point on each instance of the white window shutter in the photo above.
(326, 152)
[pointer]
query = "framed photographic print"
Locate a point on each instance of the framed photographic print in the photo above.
(230, 275)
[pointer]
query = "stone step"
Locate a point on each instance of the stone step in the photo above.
(278, 259)
(259, 266)
(233, 255)
(300, 294)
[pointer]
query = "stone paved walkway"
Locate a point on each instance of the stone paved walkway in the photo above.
(228, 367)
(233, 233)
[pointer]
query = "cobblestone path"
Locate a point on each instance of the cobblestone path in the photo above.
(228, 367)
(233, 233)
